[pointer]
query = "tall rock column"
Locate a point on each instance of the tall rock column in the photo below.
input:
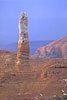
(22, 62)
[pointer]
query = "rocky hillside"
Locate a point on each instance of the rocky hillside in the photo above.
(47, 78)
(7, 60)
(56, 49)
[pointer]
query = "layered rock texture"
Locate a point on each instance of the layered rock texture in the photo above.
(56, 49)
(23, 43)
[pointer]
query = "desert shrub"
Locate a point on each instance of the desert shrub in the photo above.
(64, 97)
(55, 98)
(49, 99)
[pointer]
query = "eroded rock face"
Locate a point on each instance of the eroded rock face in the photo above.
(56, 49)
(23, 43)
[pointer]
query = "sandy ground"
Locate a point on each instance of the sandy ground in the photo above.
(45, 78)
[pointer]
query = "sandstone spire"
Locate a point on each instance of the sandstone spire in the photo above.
(23, 43)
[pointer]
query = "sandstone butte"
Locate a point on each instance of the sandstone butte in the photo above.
(25, 78)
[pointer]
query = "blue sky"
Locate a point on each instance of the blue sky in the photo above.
(47, 19)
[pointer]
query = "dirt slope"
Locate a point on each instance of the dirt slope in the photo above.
(46, 78)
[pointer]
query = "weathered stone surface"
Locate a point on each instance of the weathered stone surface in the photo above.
(55, 49)
(23, 44)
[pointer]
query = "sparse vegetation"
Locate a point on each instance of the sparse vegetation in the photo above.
(59, 98)
(45, 79)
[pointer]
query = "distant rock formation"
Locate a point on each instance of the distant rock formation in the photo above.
(56, 49)
(23, 43)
